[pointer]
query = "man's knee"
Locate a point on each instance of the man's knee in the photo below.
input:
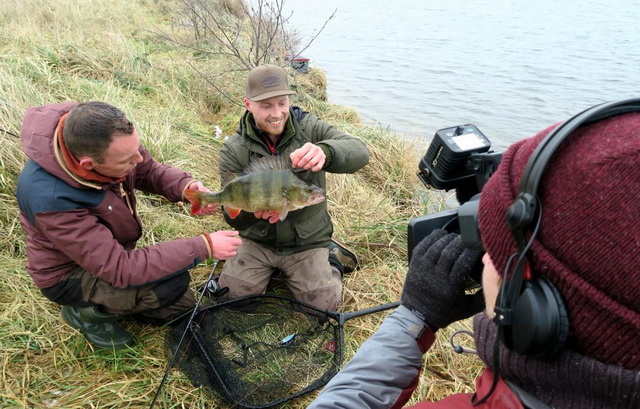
(164, 315)
(239, 288)
(328, 297)
(169, 291)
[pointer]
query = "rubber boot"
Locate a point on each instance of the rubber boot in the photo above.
(99, 328)
(346, 257)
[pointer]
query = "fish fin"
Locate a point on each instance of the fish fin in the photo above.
(232, 211)
(227, 177)
(285, 211)
(269, 163)
(195, 197)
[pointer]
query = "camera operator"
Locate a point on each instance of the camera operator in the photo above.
(587, 245)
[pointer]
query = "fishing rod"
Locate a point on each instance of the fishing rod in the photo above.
(174, 358)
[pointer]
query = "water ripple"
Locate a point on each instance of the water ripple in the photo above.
(512, 67)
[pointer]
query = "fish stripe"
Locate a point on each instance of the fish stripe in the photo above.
(275, 187)
(246, 192)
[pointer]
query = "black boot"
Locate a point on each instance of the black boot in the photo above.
(346, 257)
(212, 289)
(99, 328)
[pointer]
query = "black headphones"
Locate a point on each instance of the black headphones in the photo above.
(530, 312)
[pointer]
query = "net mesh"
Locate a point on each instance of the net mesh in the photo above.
(259, 351)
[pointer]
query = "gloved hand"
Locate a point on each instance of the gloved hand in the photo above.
(434, 288)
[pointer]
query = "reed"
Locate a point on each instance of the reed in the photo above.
(58, 50)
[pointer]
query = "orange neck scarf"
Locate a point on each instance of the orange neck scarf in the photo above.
(73, 164)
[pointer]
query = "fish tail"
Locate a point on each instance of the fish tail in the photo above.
(195, 197)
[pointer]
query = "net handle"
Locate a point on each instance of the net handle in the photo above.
(343, 317)
(174, 358)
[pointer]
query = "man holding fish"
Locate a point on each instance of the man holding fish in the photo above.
(273, 172)
(77, 203)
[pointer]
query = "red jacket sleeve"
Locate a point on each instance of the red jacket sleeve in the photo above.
(80, 236)
(161, 179)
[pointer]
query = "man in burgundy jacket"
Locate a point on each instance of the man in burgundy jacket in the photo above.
(77, 203)
(587, 246)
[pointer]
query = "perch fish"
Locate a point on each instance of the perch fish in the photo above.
(267, 184)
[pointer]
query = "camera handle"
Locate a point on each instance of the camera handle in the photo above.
(484, 166)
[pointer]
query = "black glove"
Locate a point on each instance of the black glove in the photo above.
(435, 285)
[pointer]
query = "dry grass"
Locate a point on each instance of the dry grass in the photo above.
(59, 50)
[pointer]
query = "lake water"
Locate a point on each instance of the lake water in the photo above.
(511, 67)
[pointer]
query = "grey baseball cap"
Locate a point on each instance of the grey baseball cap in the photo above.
(267, 81)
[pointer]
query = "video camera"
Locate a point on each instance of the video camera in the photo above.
(458, 158)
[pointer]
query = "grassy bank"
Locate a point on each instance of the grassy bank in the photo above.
(80, 50)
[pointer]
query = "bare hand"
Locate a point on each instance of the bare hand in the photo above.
(309, 157)
(225, 244)
(206, 209)
(266, 214)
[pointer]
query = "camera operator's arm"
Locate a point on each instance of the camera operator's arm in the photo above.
(384, 372)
